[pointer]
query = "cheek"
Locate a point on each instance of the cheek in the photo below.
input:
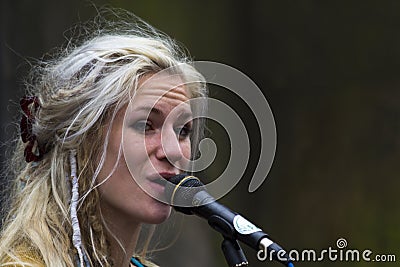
(186, 149)
(135, 151)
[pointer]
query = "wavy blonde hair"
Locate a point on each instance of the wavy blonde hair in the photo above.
(80, 91)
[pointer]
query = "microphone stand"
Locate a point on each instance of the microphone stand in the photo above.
(233, 253)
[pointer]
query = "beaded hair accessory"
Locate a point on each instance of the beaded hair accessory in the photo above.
(33, 151)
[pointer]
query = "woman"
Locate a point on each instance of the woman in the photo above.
(103, 126)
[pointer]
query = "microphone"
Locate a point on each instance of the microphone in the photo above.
(188, 195)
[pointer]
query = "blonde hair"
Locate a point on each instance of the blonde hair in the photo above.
(79, 92)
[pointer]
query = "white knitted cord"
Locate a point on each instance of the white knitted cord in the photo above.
(76, 235)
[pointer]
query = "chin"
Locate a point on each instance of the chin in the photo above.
(159, 215)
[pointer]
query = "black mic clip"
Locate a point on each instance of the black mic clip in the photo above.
(233, 253)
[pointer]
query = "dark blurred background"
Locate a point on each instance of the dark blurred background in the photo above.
(330, 72)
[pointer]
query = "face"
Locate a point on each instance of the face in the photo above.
(149, 143)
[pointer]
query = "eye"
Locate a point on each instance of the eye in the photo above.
(184, 131)
(142, 126)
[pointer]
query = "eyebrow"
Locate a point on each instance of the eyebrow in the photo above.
(149, 109)
(152, 109)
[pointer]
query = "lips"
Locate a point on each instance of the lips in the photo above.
(161, 178)
(167, 175)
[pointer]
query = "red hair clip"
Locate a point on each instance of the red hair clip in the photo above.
(30, 105)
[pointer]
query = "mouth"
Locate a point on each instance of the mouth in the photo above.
(162, 178)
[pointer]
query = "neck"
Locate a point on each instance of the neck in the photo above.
(122, 235)
(122, 247)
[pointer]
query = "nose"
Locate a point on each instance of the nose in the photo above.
(169, 148)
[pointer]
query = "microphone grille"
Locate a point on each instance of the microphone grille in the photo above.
(180, 190)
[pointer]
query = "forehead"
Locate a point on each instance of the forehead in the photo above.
(169, 88)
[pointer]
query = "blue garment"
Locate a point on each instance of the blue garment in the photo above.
(136, 262)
